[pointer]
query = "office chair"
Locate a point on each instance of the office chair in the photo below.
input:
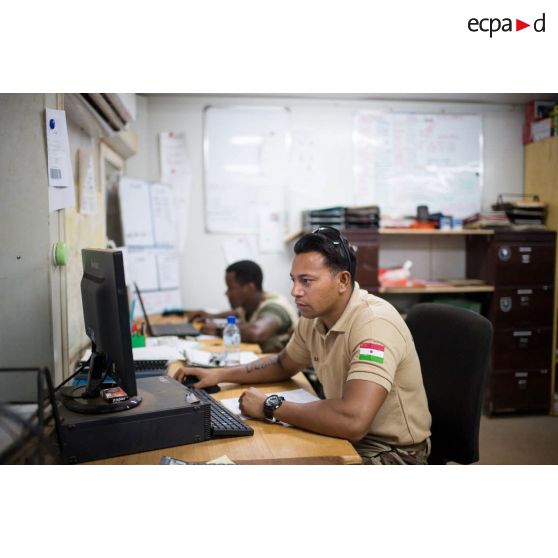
(454, 347)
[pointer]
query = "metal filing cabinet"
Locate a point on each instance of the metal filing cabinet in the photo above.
(521, 266)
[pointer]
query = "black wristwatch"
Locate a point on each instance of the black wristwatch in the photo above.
(271, 404)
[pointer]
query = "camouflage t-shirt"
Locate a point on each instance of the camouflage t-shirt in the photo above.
(277, 307)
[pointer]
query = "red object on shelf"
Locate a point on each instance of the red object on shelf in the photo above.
(426, 225)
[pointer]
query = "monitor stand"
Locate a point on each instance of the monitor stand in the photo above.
(72, 400)
(87, 399)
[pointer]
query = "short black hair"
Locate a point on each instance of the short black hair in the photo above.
(333, 246)
(247, 271)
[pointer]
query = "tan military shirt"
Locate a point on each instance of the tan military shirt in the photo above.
(370, 341)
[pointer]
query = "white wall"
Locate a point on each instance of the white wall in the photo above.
(203, 262)
(29, 286)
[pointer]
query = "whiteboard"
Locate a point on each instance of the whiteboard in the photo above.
(402, 160)
(246, 159)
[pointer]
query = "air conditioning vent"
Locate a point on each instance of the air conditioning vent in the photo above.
(100, 114)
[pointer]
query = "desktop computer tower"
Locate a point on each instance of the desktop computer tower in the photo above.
(163, 419)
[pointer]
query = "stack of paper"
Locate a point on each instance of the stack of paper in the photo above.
(293, 395)
(207, 359)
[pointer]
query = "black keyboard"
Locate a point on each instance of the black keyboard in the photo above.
(223, 422)
(141, 365)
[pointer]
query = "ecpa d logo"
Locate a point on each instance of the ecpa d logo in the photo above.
(495, 24)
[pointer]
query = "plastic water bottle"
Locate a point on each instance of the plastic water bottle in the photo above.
(231, 341)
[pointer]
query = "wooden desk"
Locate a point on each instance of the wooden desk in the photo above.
(216, 346)
(270, 444)
(213, 345)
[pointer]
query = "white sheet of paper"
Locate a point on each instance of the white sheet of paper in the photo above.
(173, 154)
(135, 209)
(61, 192)
(176, 170)
(142, 268)
(163, 213)
(204, 358)
(294, 396)
(167, 269)
(271, 231)
(58, 150)
(87, 192)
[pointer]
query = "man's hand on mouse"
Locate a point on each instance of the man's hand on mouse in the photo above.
(206, 377)
(251, 403)
(196, 315)
(209, 327)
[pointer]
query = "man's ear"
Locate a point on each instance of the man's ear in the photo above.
(250, 287)
(344, 278)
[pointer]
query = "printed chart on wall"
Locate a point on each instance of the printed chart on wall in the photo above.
(406, 160)
(246, 162)
(150, 256)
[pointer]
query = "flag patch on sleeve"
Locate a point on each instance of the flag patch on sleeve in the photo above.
(371, 352)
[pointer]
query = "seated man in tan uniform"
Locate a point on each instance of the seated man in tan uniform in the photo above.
(264, 318)
(362, 352)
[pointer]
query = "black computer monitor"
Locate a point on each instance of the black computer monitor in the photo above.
(107, 323)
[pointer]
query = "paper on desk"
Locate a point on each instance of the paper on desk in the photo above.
(173, 342)
(221, 460)
(294, 396)
(206, 358)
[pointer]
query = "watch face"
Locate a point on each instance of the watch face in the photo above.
(272, 400)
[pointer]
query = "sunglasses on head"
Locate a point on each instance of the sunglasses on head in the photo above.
(338, 241)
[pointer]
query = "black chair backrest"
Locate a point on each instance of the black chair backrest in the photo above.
(454, 347)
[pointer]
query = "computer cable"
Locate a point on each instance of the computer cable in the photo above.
(83, 367)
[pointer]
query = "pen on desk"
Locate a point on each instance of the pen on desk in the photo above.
(132, 311)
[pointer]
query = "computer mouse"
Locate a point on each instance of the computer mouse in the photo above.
(189, 381)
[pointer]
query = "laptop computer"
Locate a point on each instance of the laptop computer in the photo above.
(159, 330)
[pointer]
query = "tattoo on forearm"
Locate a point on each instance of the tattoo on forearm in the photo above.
(262, 363)
(280, 358)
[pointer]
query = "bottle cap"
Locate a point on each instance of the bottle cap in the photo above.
(231, 319)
